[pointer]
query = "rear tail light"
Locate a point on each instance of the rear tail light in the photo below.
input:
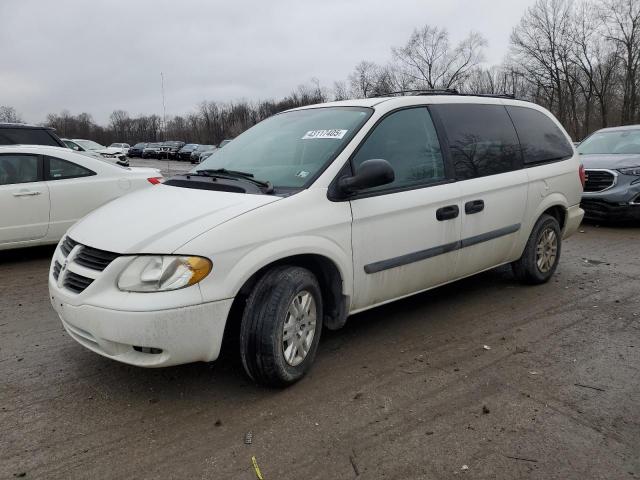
(582, 174)
(157, 180)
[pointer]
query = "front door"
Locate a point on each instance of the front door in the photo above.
(405, 234)
(24, 198)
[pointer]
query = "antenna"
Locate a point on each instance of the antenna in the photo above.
(164, 108)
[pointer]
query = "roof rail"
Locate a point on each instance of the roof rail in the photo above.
(422, 91)
(444, 91)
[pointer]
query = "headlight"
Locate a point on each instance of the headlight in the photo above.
(161, 273)
(635, 171)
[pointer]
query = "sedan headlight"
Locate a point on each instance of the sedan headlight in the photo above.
(161, 273)
(635, 171)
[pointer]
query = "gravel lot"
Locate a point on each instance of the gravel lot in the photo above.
(405, 391)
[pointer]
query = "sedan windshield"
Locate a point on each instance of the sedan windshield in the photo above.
(612, 142)
(289, 149)
(89, 144)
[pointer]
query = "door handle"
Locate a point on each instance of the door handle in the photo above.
(447, 213)
(24, 193)
(473, 206)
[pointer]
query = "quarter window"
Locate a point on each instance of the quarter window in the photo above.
(407, 140)
(540, 139)
(60, 169)
(482, 140)
(16, 168)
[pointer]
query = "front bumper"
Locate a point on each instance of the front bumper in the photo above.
(143, 329)
(620, 201)
(602, 210)
(147, 339)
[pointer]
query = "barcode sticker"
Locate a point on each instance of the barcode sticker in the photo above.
(334, 133)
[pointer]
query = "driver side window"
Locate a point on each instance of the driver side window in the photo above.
(407, 140)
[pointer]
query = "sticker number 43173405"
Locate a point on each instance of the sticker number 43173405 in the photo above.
(334, 133)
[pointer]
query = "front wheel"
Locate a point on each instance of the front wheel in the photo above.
(541, 254)
(281, 326)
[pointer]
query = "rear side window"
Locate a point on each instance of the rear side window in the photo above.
(407, 140)
(59, 169)
(26, 136)
(541, 140)
(18, 168)
(481, 138)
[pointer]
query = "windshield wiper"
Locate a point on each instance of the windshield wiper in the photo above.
(236, 175)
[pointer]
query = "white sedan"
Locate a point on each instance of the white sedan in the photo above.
(44, 190)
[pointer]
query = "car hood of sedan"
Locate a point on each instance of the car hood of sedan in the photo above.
(612, 162)
(110, 150)
(161, 219)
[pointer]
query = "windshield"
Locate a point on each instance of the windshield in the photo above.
(139, 145)
(289, 149)
(89, 144)
(613, 142)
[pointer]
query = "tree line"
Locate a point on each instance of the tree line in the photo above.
(578, 58)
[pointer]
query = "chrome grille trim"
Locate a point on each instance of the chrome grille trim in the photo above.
(599, 179)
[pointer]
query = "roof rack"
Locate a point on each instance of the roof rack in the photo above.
(427, 91)
(444, 91)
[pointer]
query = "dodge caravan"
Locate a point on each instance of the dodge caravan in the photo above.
(315, 214)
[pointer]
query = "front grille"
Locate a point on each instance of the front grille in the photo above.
(95, 259)
(88, 257)
(598, 180)
(56, 270)
(67, 246)
(76, 283)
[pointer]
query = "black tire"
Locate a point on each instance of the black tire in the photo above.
(261, 330)
(526, 268)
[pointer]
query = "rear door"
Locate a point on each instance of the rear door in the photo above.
(487, 161)
(405, 233)
(24, 198)
(75, 190)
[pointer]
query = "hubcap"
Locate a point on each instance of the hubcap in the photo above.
(299, 328)
(547, 249)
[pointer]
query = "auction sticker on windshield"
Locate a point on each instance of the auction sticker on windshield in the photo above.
(335, 133)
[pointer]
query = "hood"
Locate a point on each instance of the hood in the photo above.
(611, 162)
(161, 219)
(110, 150)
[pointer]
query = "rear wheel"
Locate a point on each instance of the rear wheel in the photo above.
(281, 326)
(541, 254)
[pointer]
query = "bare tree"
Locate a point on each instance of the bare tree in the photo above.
(9, 114)
(364, 79)
(622, 19)
(430, 62)
(542, 45)
(340, 90)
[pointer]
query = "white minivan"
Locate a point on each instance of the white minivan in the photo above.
(315, 214)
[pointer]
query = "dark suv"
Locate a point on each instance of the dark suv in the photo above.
(23, 134)
(170, 149)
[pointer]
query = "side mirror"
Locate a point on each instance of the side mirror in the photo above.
(371, 173)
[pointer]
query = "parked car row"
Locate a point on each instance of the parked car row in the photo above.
(174, 150)
(116, 151)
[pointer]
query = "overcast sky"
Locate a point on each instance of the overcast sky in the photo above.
(97, 56)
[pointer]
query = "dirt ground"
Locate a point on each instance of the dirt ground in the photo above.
(405, 391)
